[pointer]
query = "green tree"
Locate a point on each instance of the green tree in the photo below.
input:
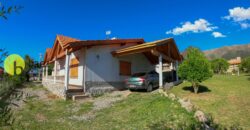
(29, 65)
(219, 65)
(195, 68)
(7, 10)
(3, 54)
(245, 64)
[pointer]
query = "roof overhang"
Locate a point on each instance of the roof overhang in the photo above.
(89, 43)
(165, 47)
(63, 43)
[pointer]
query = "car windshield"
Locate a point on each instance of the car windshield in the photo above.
(138, 74)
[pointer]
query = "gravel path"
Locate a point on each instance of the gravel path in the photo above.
(102, 102)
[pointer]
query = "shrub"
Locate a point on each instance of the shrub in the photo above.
(7, 93)
(219, 65)
(245, 64)
(195, 68)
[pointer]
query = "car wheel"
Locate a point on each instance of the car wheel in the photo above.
(149, 88)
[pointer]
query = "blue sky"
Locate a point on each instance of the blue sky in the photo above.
(189, 22)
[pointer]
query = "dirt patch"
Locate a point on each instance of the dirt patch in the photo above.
(52, 96)
(102, 102)
(39, 93)
(40, 117)
(108, 99)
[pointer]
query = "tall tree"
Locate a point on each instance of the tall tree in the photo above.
(195, 68)
(219, 65)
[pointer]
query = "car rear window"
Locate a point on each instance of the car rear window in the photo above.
(138, 74)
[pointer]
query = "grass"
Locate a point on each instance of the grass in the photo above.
(225, 97)
(143, 111)
(137, 111)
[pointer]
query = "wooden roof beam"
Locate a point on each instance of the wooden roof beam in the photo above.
(157, 53)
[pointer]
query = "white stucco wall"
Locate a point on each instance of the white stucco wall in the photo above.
(79, 80)
(61, 67)
(102, 66)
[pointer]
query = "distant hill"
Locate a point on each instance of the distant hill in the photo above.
(229, 52)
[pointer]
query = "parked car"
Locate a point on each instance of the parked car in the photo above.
(143, 80)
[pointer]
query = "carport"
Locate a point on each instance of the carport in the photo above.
(157, 52)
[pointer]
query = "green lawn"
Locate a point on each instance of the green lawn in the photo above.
(226, 97)
(137, 111)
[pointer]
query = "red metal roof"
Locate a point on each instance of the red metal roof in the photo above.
(234, 61)
(47, 55)
(84, 43)
(64, 40)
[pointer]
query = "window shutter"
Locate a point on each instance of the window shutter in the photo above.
(74, 63)
(125, 68)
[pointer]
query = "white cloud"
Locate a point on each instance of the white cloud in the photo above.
(218, 34)
(113, 38)
(200, 25)
(245, 25)
(240, 15)
(108, 32)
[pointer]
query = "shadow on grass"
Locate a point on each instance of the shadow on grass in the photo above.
(202, 89)
(142, 90)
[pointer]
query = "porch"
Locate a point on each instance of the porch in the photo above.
(54, 79)
(57, 87)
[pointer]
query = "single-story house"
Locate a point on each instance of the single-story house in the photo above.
(90, 64)
(234, 65)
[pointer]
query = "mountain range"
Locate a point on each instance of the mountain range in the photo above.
(229, 52)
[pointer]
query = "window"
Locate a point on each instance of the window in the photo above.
(74, 68)
(125, 68)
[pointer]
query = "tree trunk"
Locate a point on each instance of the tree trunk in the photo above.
(196, 87)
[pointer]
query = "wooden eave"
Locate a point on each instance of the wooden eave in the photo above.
(151, 50)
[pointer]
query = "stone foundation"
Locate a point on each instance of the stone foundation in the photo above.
(93, 88)
(115, 85)
(98, 88)
(55, 88)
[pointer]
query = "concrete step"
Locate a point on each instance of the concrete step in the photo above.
(75, 90)
(78, 97)
(74, 93)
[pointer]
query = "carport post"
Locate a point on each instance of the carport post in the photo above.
(160, 72)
